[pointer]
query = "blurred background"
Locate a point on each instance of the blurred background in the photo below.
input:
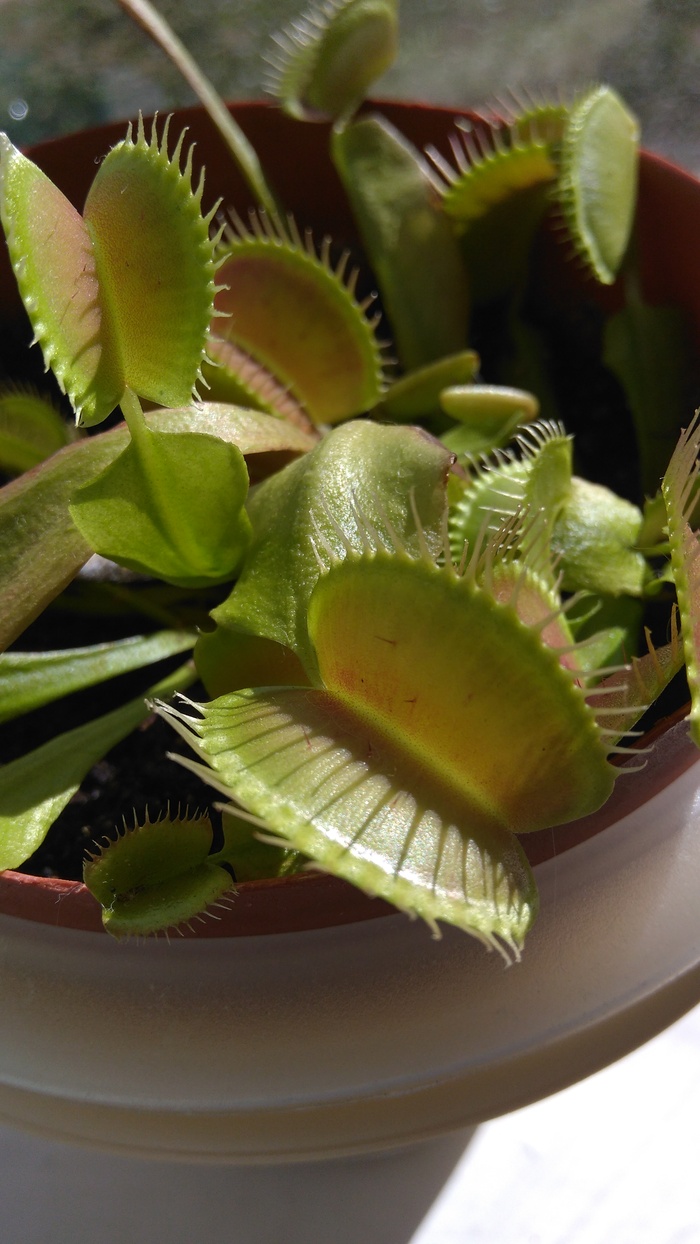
(72, 63)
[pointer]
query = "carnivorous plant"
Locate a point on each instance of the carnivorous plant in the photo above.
(432, 633)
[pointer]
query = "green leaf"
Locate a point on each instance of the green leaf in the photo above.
(252, 431)
(648, 350)
(123, 296)
(679, 489)
(175, 512)
(360, 469)
(155, 264)
(459, 680)
(36, 788)
(409, 241)
(30, 679)
(417, 395)
(156, 876)
(596, 534)
(342, 793)
(597, 186)
(295, 312)
(488, 415)
(324, 63)
(31, 429)
(41, 549)
(54, 262)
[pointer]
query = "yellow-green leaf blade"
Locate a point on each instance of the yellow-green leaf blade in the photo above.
(206, 482)
(343, 794)
(154, 262)
(42, 549)
(156, 876)
(31, 679)
(54, 262)
(458, 681)
(678, 487)
(293, 312)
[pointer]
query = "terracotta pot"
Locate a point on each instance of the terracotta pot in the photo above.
(340, 1032)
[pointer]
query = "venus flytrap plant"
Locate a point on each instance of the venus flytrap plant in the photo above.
(120, 301)
(431, 644)
(326, 60)
(278, 293)
(409, 765)
(409, 242)
(165, 865)
(593, 531)
(598, 179)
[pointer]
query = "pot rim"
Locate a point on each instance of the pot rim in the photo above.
(316, 900)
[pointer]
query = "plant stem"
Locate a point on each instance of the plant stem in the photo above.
(144, 14)
(136, 422)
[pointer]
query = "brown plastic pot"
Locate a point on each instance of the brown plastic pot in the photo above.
(384, 1035)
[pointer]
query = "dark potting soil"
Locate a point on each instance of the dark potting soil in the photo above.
(136, 777)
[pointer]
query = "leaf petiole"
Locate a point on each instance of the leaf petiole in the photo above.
(154, 25)
(165, 508)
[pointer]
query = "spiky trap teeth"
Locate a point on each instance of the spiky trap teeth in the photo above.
(597, 184)
(495, 191)
(293, 309)
(491, 165)
(158, 875)
(162, 298)
(410, 764)
(325, 60)
(120, 297)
